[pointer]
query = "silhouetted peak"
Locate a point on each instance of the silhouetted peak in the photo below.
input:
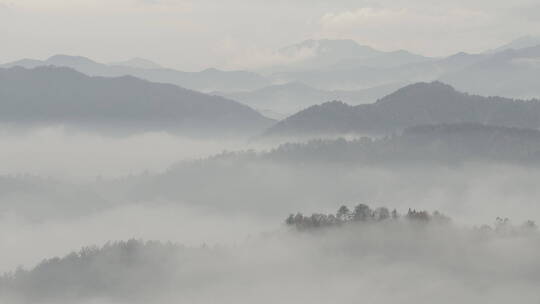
(519, 43)
(69, 60)
(138, 62)
(25, 62)
(401, 52)
(211, 71)
(459, 55)
(327, 107)
(421, 91)
(45, 69)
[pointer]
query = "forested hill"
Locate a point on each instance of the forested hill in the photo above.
(444, 143)
(142, 272)
(417, 104)
(52, 95)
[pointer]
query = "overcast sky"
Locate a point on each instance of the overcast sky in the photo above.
(195, 34)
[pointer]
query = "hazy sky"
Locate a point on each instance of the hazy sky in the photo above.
(195, 34)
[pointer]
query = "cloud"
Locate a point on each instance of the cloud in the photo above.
(154, 221)
(389, 262)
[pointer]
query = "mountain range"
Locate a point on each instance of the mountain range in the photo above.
(55, 95)
(204, 81)
(326, 53)
(522, 42)
(512, 73)
(344, 70)
(322, 70)
(286, 99)
(137, 62)
(514, 68)
(417, 104)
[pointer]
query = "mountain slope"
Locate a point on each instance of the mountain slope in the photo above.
(290, 98)
(52, 95)
(418, 104)
(328, 53)
(384, 69)
(206, 81)
(325, 52)
(138, 63)
(512, 73)
(425, 143)
(519, 43)
(384, 60)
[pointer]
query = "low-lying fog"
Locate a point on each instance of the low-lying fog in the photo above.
(382, 262)
(239, 204)
(67, 154)
(25, 242)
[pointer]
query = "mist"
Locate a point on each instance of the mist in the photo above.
(380, 262)
(167, 151)
(27, 242)
(248, 198)
(58, 151)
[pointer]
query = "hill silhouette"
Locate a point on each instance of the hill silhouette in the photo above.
(417, 104)
(53, 95)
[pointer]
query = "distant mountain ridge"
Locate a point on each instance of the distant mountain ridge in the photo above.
(290, 98)
(417, 104)
(325, 53)
(53, 95)
(518, 43)
(511, 72)
(206, 81)
(138, 63)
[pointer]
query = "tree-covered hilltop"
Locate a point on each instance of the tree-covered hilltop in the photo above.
(363, 213)
(92, 270)
(155, 272)
(124, 269)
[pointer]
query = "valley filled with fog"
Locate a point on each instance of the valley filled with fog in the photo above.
(229, 208)
(327, 169)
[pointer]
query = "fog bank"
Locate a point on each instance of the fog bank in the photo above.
(66, 154)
